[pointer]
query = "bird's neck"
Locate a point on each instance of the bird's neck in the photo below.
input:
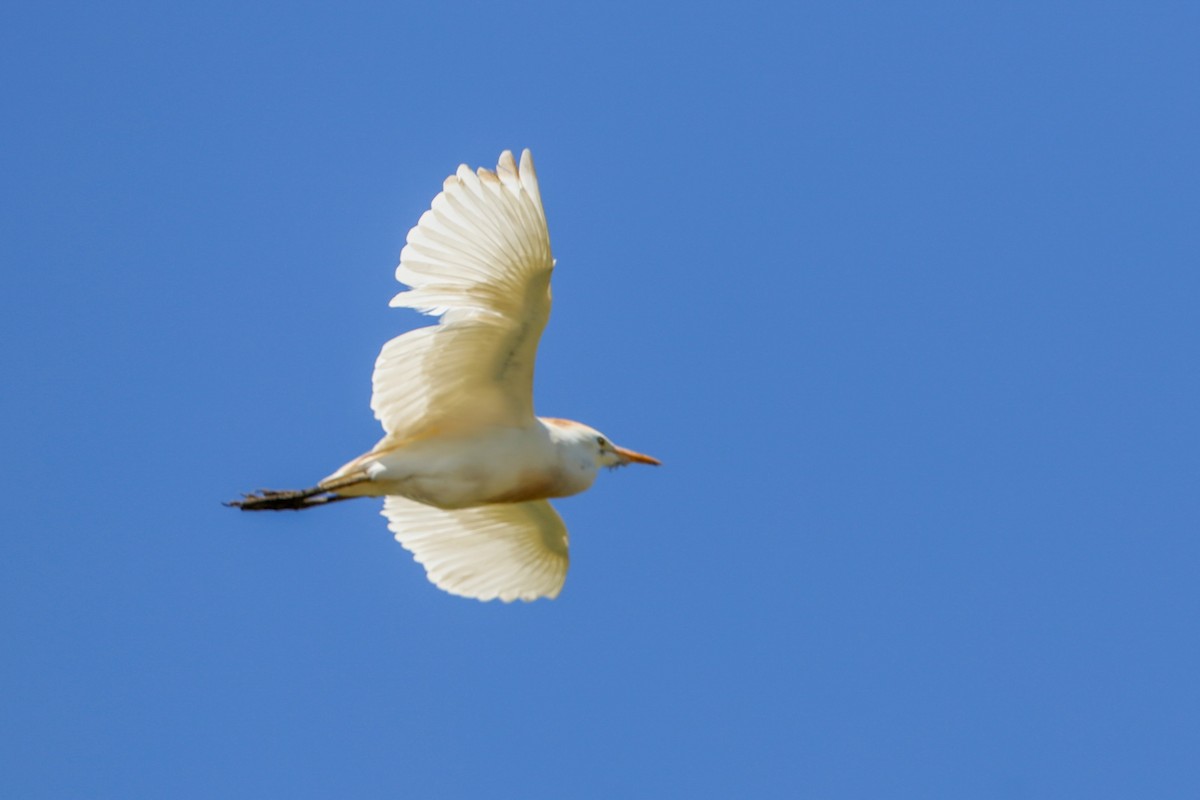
(574, 459)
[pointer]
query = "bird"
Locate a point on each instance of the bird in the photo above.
(465, 468)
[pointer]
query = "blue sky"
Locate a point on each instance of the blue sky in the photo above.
(904, 298)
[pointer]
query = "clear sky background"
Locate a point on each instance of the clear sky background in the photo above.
(904, 298)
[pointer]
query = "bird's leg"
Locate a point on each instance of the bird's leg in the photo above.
(268, 500)
(271, 500)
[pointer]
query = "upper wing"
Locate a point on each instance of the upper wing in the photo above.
(506, 551)
(480, 259)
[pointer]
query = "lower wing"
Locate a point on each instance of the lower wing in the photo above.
(507, 550)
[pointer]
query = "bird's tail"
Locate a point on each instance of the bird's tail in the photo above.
(270, 500)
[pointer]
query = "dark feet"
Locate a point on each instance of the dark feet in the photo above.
(268, 500)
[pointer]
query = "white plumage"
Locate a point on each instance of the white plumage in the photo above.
(464, 463)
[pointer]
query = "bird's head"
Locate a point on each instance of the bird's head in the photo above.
(594, 445)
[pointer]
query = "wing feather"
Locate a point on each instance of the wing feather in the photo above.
(506, 551)
(479, 259)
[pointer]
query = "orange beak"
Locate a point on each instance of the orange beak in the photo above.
(640, 458)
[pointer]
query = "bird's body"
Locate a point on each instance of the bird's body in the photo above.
(497, 465)
(464, 466)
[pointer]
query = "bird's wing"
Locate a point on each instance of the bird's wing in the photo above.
(506, 551)
(480, 259)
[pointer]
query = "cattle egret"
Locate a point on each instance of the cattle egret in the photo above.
(464, 467)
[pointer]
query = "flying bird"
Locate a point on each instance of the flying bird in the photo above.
(465, 467)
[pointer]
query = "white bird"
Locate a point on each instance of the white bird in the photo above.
(465, 467)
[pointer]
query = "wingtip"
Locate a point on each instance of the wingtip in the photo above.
(528, 177)
(506, 163)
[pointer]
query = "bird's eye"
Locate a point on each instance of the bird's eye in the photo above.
(600, 440)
